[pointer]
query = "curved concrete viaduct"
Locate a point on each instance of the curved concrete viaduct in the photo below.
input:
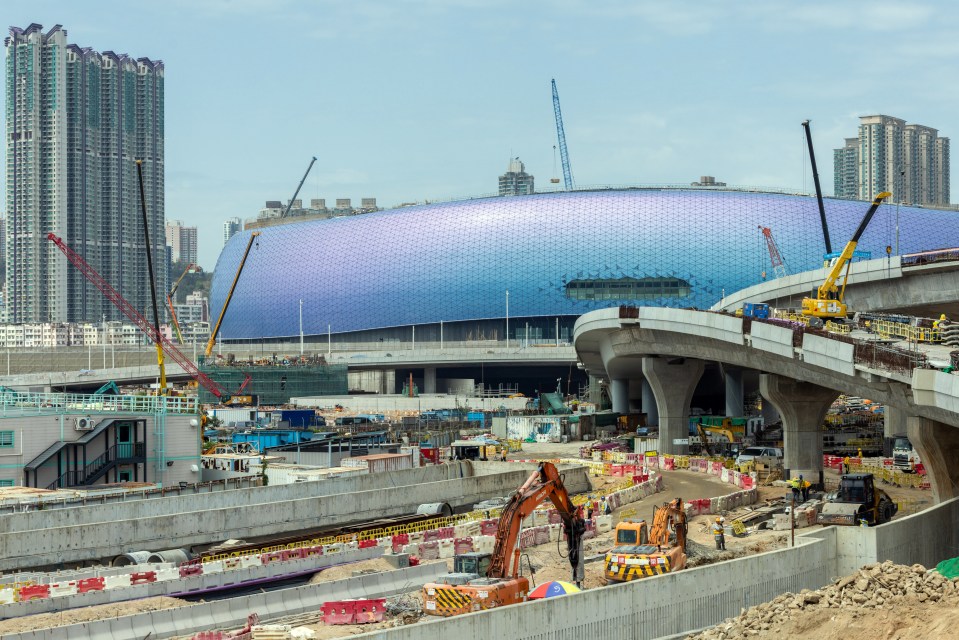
(801, 373)
(899, 284)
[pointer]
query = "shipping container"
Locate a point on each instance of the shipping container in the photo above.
(523, 427)
(380, 462)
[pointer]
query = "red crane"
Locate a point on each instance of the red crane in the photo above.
(779, 267)
(130, 312)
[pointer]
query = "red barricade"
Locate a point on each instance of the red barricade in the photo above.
(366, 544)
(34, 592)
(414, 561)
(446, 532)
(338, 612)
(90, 584)
(921, 469)
(489, 527)
(143, 577)
(462, 545)
(642, 477)
(191, 570)
(400, 540)
(747, 481)
(367, 611)
(616, 470)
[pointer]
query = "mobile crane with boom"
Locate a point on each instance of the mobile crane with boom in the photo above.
(465, 591)
(164, 345)
(170, 297)
(827, 300)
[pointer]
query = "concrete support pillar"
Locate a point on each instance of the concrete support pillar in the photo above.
(803, 408)
(769, 412)
(635, 395)
(595, 390)
(894, 421)
(619, 394)
(673, 385)
(938, 448)
(429, 380)
(893, 424)
(734, 391)
(649, 405)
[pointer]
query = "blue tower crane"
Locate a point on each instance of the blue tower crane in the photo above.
(563, 154)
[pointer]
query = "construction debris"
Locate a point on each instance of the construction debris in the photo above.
(875, 586)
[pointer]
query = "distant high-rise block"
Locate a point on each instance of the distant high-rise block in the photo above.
(846, 170)
(182, 242)
(231, 227)
(515, 182)
(909, 160)
(77, 120)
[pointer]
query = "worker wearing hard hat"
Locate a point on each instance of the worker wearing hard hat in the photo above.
(937, 323)
(719, 533)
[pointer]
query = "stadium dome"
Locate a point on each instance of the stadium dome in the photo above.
(558, 255)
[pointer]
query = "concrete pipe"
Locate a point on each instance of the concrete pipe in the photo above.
(176, 556)
(133, 557)
(435, 509)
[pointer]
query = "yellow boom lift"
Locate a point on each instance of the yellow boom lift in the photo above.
(827, 300)
(170, 297)
(229, 296)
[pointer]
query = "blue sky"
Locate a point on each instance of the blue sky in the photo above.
(407, 100)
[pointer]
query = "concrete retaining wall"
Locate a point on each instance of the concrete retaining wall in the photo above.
(149, 525)
(233, 612)
(185, 586)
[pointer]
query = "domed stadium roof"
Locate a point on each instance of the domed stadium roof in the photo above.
(558, 254)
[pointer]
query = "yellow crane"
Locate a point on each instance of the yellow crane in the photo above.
(229, 296)
(170, 297)
(828, 298)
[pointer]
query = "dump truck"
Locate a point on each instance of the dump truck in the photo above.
(641, 551)
(858, 501)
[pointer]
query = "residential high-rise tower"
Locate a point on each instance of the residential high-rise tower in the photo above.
(909, 160)
(77, 121)
(182, 242)
(515, 182)
(231, 227)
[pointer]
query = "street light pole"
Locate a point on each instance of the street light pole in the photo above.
(507, 318)
(329, 340)
(301, 326)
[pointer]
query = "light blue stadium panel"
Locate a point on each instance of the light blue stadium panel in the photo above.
(558, 254)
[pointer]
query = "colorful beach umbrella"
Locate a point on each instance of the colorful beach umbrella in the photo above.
(553, 588)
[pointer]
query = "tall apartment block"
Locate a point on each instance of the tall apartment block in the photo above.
(182, 242)
(515, 182)
(231, 227)
(77, 120)
(909, 160)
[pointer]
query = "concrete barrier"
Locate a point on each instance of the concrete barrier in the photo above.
(145, 524)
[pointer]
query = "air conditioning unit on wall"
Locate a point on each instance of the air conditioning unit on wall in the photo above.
(84, 424)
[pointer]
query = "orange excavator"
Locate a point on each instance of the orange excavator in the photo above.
(465, 590)
(642, 552)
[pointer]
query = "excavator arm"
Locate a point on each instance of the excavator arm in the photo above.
(543, 484)
(670, 516)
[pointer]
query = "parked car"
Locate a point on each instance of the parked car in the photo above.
(751, 453)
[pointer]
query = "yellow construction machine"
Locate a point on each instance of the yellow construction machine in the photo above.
(641, 552)
(827, 300)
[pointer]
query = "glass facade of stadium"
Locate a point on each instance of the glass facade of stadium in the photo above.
(447, 267)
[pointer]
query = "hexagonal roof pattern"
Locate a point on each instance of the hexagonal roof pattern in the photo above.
(456, 261)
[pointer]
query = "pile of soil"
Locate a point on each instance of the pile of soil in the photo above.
(888, 601)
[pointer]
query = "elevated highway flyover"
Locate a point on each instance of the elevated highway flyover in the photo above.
(801, 372)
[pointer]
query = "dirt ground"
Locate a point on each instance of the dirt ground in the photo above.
(88, 614)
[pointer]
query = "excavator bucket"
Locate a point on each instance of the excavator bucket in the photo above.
(838, 513)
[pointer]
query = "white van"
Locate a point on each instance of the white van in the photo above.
(751, 453)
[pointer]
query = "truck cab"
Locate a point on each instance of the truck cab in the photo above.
(904, 456)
